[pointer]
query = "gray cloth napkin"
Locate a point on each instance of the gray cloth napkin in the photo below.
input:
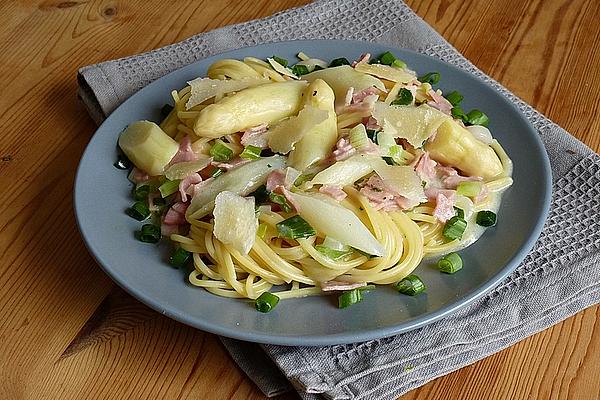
(560, 277)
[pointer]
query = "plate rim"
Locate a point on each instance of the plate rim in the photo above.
(344, 337)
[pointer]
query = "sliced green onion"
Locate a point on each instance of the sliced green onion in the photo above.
(317, 68)
(358, 137)
(281, 200)
(454, 98)
(294, 228)
(266, 302)
(332, 253)
(432, 78)
(399, 155)
(366, 288)
(372, 134)
(458, 113)
(138, 210)
(469, 188)
(476, 117)
(389, 160)
(149, 233)
(220, 151)
(454, 228)
(349, 298)
(169, 187)
(486, 218)
(302, 179)
(122, 162)
(179, 258)
(281, 61)
(251, 152)
(141, 192)
(460, 212)
(405, 97)
(303, 56)
(166, 110)
(450, 263)
(336, 62)
(374, 61)
(217, 172)
(335, 244)
(411, 285)
(261, 195)
(261, 232)
(387, 58)
(399, 64)
(300, 69)
(364, 253)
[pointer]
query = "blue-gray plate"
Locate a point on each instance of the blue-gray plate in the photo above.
(102, 193)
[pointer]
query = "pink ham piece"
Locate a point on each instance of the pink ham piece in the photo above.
(276, 183)
(433, 192)
(331, 286)
(370, 150)
(365, 93)
(361, 101)
(444, 207)
(180, 207)
(371, 123)
(255, 136)
(275, 180)
(335, 192)
(425, 168)
(185, 152)
(363, 59)
(343, 149)
(172, 217)
(381, 197)
(186, 185)
(450, 177)
(439, 102)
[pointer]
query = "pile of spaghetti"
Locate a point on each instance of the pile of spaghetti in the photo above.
(281, 181)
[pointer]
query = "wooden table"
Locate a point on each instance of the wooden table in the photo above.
(68, 332)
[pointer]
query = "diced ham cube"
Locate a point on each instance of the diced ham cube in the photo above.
(343, 149)
(444, 207)
(185, 186)
(185, 152)
(275, 179)
(255, 136)
(335, 192)
(439, 102)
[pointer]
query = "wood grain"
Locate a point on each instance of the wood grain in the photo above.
(66, 331)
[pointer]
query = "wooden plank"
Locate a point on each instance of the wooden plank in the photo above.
(67, 332)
